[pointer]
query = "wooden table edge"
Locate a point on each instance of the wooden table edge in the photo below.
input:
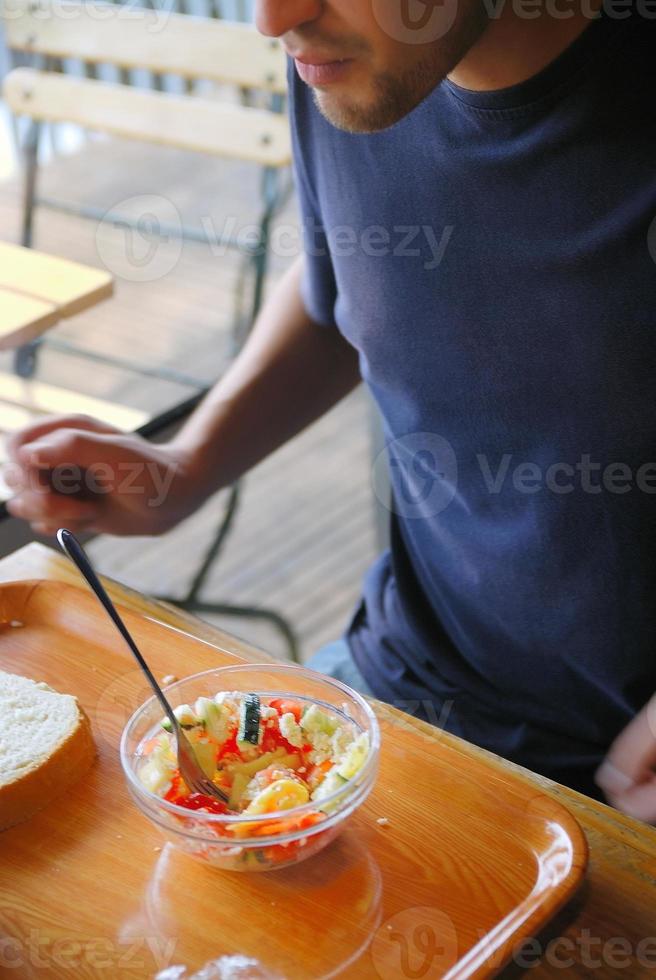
(38, 561)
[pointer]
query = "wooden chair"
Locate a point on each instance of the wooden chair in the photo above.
(193, 49)
(190, 48)
(36, 291)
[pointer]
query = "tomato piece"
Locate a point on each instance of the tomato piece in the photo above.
(177, 789)
(272, 739)
(285, 706)
(229, 748)
(288, 826)
(179, 795)
(278, 853)
(198, 801)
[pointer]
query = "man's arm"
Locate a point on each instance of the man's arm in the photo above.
(290, 372)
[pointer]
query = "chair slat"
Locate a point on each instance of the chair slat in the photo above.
(69, 286)
(38, 398)
(185, 122)
(133, 37)
(12, 418)
(23, 318)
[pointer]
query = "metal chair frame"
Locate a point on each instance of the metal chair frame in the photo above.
(256, 258)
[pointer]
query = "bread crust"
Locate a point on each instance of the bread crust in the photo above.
(36, 789)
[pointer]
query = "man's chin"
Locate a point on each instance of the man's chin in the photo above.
(381, 101)
(355, 117)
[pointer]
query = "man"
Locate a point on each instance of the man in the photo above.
(477, 182)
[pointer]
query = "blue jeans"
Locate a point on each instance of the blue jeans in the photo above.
(336, 661)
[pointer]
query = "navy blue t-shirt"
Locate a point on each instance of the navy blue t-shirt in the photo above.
(492, 258)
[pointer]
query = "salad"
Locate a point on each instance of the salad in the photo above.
(268, 754)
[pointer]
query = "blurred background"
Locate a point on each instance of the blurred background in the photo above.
(307, 524)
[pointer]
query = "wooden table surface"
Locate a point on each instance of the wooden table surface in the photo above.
(37, 290)
(609, 930)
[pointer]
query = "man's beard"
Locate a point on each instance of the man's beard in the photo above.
(393, 98)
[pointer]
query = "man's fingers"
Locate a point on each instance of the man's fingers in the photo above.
(627, 774)
(50, 508)
(639, 801)
(51, 423)
(612, 780)
(633, 753)
(14, 476)
(66, 448)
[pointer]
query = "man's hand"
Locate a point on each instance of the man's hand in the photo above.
(628, 775)
(76, 472)
(79, 473)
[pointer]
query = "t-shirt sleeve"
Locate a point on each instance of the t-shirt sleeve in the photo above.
(319, 286)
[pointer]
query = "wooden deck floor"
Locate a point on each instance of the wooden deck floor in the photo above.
(305, 531)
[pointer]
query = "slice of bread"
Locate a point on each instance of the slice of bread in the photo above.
(45, 746)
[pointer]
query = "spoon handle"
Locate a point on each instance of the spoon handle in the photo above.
(76, 553)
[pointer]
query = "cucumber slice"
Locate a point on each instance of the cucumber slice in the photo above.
(205, 752)
(316, 720)
(330, 784)
(186, 717)
(354, 757)
(239, 784)
(213, 718)
(250, 768)
(249, 719)
(156, 776)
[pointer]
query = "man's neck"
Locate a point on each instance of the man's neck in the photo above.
(513, 47)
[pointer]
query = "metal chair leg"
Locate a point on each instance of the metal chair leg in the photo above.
(25, 357)
(248, 612)
(31, 158)
(192, 603)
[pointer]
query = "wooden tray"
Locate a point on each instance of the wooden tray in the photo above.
(471, 863)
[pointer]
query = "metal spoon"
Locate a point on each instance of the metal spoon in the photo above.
(190, 771)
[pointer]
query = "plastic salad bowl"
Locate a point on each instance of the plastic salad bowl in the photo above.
(256, 841)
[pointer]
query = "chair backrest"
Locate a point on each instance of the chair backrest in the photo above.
(190, 47)
(140, 37)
